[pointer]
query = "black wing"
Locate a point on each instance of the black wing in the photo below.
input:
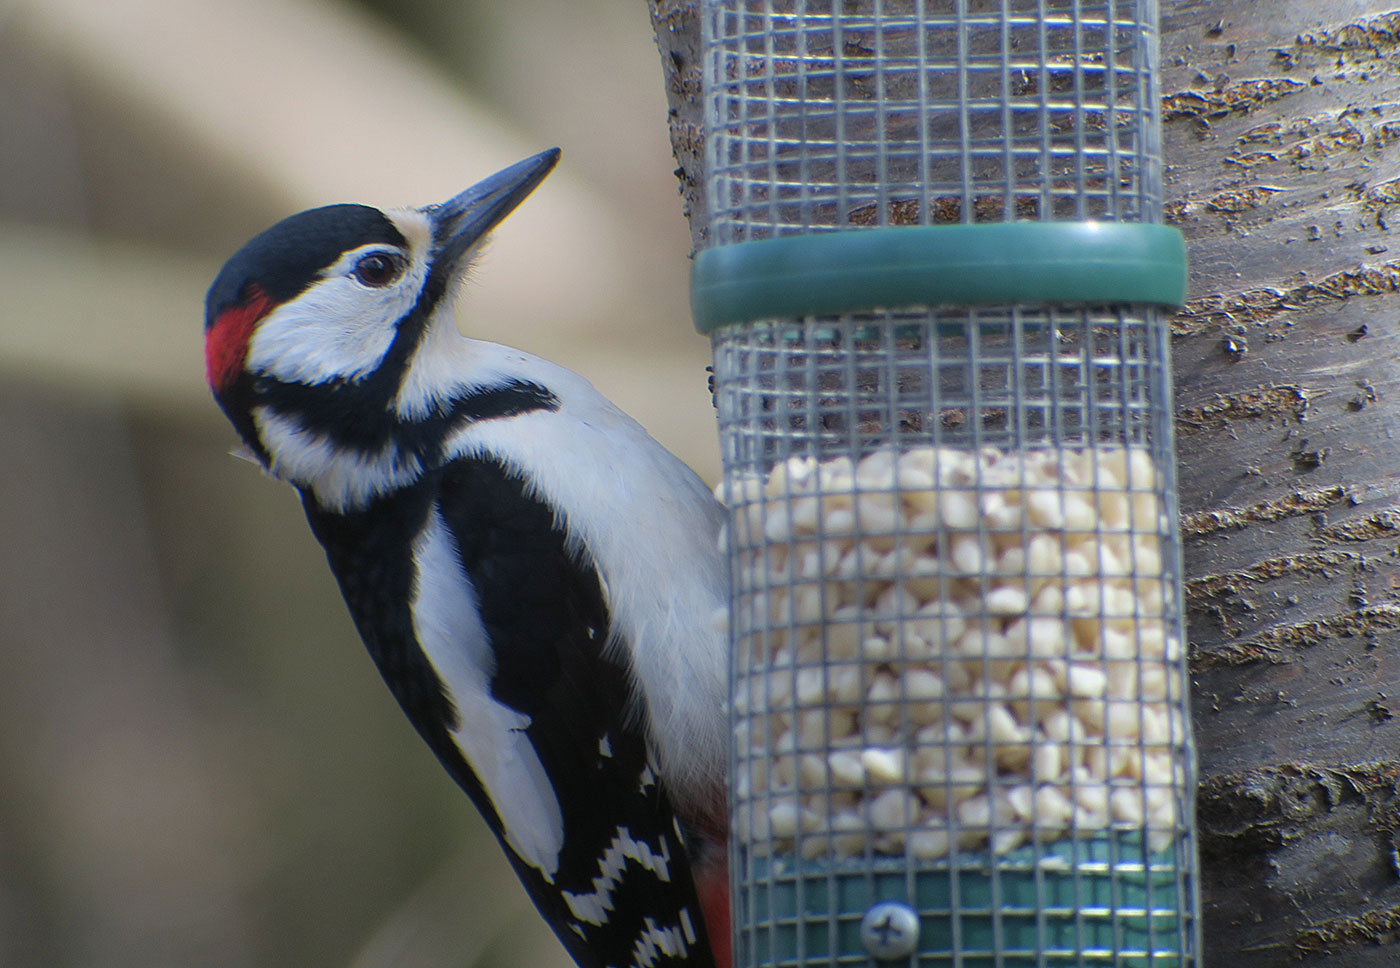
(620, 892)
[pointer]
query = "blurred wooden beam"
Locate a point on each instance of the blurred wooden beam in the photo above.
(107, 756)
(105, 317)
(325, 105)
(115, 318)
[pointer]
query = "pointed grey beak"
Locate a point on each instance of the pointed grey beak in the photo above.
(461, 222)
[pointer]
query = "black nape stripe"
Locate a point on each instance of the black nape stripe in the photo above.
(508, 400)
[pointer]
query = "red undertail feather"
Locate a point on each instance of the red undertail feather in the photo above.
(711, 873)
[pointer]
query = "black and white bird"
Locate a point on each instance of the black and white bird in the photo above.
(535, 577)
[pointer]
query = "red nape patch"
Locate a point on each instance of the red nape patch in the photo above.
(226, 342)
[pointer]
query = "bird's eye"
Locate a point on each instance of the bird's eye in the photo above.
(377, 270)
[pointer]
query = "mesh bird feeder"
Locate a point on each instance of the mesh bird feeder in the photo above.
(936, 281)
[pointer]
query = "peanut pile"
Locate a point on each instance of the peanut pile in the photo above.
(943, 649)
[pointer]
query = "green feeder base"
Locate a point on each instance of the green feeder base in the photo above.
(1097, 901)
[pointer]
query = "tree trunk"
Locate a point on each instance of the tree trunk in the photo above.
(1279, 120)
(677, 27)
(1278, 124)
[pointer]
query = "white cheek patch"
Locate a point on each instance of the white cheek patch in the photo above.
(338, 329)
(489, 734)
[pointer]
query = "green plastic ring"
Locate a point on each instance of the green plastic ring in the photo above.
(999, 263)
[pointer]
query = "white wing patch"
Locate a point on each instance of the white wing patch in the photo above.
(489, 734)
(593, 907)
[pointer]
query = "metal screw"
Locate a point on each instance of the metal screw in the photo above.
(890, 930)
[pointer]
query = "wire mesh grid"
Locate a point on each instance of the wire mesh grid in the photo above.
(958, 677)
(918, 112)
(958, 673)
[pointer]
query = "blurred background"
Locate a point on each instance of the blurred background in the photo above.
(198, 764)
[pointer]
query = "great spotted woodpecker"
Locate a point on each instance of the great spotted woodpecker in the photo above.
(535, 577)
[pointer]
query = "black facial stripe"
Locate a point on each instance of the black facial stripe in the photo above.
(408, 332)
(359, 415)
(288, 257)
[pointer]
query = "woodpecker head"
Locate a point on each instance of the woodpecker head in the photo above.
(311, 328)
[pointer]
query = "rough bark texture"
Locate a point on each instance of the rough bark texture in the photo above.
(1282, 151)
(677, 27)
(1280, 130)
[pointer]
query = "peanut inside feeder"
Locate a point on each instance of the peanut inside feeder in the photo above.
(948, 648)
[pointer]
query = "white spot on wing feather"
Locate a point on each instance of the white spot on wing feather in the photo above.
(489, 734)
(593, 906)
(656, 940)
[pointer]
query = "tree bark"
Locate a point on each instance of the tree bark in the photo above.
(1281, 125)
(677, 27)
